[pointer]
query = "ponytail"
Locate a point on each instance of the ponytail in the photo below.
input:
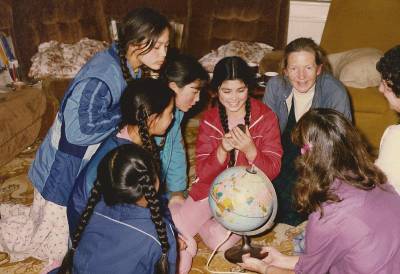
(154, 206)
(148, 142)
(67, 263)
(248, 112)
(122, 60)
(224, 121)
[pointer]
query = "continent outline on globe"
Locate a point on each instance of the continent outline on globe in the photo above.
(242, 201)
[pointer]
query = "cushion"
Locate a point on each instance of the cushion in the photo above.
(357, 68)
(59, 60)
(251, 52)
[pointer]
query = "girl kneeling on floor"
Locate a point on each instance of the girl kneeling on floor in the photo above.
(122, 229)
(147, 107)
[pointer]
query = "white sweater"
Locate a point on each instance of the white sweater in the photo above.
(389, 155)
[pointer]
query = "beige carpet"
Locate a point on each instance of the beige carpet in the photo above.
(16, 188)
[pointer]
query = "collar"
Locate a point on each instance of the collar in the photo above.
(112, 50)
(309, 93)
(123, 211)
(288, 90)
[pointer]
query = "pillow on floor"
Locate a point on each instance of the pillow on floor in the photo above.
(357, 68)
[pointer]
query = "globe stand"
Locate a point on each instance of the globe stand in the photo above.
(234, 254)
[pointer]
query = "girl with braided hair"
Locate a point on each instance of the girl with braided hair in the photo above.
(90, 110)
(223, 142)
(88, 114)
(147, 107)
(122, 229)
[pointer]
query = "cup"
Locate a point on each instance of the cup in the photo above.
(268, 75)
(253, 67)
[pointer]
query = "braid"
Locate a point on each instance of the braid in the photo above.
(122, 60)
(154, 206)
(95, 194)
(146, 71)
(224, 121)
(148, 142)
(248, 111)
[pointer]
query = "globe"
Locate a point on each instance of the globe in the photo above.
(243, 199)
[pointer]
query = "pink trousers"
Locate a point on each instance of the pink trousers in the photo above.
(194, 217)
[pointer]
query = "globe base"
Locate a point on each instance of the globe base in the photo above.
(234, 254)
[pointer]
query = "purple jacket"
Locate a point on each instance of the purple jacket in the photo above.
(360, 234)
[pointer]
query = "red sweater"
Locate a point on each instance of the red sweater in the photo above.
(264, 129)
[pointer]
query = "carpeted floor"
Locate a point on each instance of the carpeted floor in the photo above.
(16, 188)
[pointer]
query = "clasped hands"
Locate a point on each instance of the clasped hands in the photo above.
(242, 141)
(275, 262)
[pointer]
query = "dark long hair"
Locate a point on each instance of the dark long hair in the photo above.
(140, 99)
(183, 69)
(233, 68)
(141, 27)
(125, 175)
(334, 149)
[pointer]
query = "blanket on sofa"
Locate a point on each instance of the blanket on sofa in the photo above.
(15, 188)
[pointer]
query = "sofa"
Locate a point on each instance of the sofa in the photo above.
(32, 22)
(360, 26)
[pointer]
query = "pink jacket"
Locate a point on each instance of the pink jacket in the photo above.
(264, 129)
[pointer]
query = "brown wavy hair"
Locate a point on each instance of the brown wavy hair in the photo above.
(336, 150)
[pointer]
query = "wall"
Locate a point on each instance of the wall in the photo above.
(5, 16)
(307, 19)
(208, 23)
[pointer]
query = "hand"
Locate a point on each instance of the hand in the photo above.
(224, 147)
(243, 142)
(253, 264)
(226, 143)
(274, 259)
(181, 244)
(176, 198)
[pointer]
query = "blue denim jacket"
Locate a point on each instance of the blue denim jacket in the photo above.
(329, 93)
